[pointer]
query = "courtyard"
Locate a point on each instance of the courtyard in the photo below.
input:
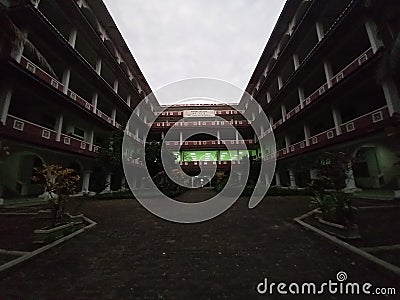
(132, 254)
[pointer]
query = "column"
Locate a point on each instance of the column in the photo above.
(271, 120)
(307, 134)
(280, 82)
(5, 100)
(72, 37)
(283, 111)
(137, 133)
(65, 80)
(302, 97)
(218, 136)
(115, 86)
(123, 184)
(313, 174)
(85, 182)
(128, 100)
(391, 95)
(59, 126)
(237, 137)
(292, 179)
(266, 177)
(98, 66)
(114, 115)
(180, 138)
(372, 32)
(162, 135)
(320, 30)
(95, 98)
(277, 179)
(268, 97)
(328, 73)
(90, 139)
(19, 49)
(337, 119)
(287, 142)
(296, 61)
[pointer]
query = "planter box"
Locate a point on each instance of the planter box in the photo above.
(339, 230)
(45, 236)
(75, 219)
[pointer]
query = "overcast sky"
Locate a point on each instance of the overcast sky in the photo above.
(178, 39)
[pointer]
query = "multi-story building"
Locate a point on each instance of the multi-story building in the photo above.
(194, 147)
(325, 84)
(67, 80)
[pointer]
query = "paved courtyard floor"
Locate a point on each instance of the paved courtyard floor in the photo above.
(132, 254)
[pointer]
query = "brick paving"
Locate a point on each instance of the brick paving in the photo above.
(132, 254)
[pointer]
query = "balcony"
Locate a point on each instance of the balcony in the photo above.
(317, 95)
(33, 133)
(38, 72)
(217, 112)
(221, 165)
(207, 144)
(359, 126)
(183, 125)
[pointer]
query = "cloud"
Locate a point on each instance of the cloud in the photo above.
(177, 39)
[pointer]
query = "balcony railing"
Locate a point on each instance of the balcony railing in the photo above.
(315, 96)
(356, 126)
(162, 125)
(25, 130)
(30, 66)
(217, 112)
(212, 143)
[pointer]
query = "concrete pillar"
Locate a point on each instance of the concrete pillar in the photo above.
(372, 32)
(123, 184)
(116, 85)
(98, 66)
(72, 37)
(114, 115)
(277, 179)
(307, 134)
(19, 50)
(302, 97)
(337, 119)
(218, 135)
(59, 126)
(95, 98)
(292, 179)
(65, 80)
(392, 96)
(180, 137)
(5, 100)
(328, 73)
(320, 30)
(162, 135)
(128, 100)
(237, 137)
(287, 142)
(268, 97)
(271, 120)
(280, 82)
(137, 132)
(90, 139)
(296, 61)
(85, 182)
(266, 177)
(283, 111)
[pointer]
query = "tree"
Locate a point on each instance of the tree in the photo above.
(110, 152)
(154, 161)
(58, 182)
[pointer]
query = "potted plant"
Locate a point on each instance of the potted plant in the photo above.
(59, 183)
(336, 213)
